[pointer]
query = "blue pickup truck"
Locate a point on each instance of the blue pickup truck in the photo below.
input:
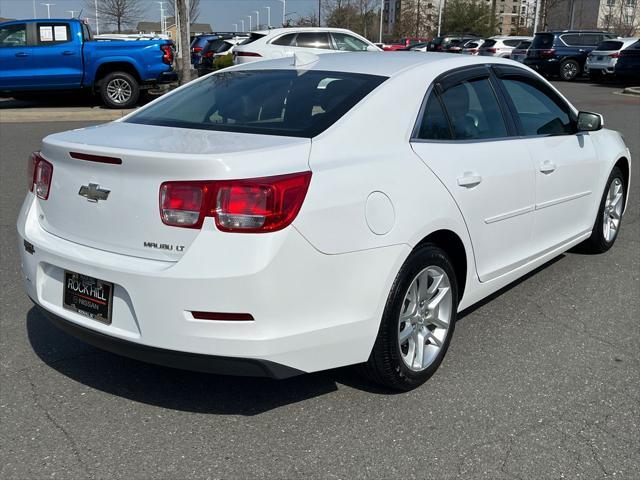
(50, 54)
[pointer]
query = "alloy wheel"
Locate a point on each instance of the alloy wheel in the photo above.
(425, 318)
(612, 210)
(119, 91)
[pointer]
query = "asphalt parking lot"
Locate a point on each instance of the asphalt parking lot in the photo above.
(542, 381)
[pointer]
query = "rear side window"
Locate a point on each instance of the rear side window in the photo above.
(52, 33)
(488, 43)
(286, 40)
(474, 111)
(434, 125)
(512, 43)
(590, 39)
(271, 102)
(252, 38)
(13, 35)
(540, 112)
(313, 40)
(609, 45)
(542, 41)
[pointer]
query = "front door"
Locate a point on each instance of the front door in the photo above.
(16, 59)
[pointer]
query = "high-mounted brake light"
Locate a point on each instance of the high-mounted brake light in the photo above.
(40, 172)
(255, 205)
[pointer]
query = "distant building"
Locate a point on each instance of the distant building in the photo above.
(619, 16)
(155, 28)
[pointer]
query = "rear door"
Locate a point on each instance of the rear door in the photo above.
(465, 137)
(57, 55)
(566, 165)
(15, 56)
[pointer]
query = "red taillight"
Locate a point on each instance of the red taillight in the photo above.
(40, 172)
(196, 49)
(550, 52)
(254, 205)
(248, 54)
(492, 50)
(615, 55)
(167, 54)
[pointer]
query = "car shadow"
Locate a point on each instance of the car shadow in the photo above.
(167, 387)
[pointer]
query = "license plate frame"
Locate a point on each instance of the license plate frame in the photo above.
(88, 296)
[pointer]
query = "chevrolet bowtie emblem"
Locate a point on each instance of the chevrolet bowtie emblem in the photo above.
(93, 192)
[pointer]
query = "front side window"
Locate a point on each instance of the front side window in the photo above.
(474, 111)
(539, 112)
(349, 43)
(270, 102)
(313, 40)
(13, 35)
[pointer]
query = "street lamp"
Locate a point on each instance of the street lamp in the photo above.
(235, 26)
(250, 18)
(97, 24)
(268, 17)
(49, 5)
(72, 12)
(381, 12)
(242, 21)
(162, 26)
(284, 10)
(257, 19)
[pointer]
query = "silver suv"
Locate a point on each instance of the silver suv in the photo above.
(501, 46)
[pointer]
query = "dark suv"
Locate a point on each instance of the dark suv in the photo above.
(563, 53)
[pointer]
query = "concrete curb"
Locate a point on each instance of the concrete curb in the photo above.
(631, 91)
(23, 115)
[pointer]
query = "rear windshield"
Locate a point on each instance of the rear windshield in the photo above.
(542, 40)
(252, 38)
(488, 43)
(609, 45)
(271, 102)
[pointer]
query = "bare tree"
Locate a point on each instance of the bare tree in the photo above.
(418, 18)
(621, 17)
(194, 10)
(118, 13)
(361, 16)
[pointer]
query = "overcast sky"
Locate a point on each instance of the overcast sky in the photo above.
(221, 14)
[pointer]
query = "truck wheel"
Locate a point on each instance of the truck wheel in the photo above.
(119, 90)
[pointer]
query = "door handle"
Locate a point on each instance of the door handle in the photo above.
(68, 52)
(469, 180)
(22, 54)
(547, 167)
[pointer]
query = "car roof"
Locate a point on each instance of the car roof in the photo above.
(277, 31)
(373, 63)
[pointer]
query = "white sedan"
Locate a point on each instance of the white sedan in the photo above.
(285, 42)
(302, 214)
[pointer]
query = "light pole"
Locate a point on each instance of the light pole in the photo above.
(72, 12)
(242, 21)
(440, 15)
(235, 26)
(268, 17)
(537, 16)
(34, 8)
(250, 18)
(257, 19)
(48, 8)
(162, 29)
(97, 24)
(284, 10)
(381, 12)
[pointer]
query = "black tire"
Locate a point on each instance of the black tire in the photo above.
(569, 70)
(132, 95)
(597, 242)
(385, 365)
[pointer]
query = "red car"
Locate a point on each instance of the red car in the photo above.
(403, 43)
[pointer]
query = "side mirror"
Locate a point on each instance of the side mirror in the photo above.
(589, 122)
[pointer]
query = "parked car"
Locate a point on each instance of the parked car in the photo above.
(252, 222)
(601, 62)
(519, 53)
(563, 53)
(200, 41)
(404, 43)
(457, 45)
(284, 42)
(627, 67)
(500, 46)
(442, 43)
(215, 49)
(418, 47)
(472, 47)
(59, 54)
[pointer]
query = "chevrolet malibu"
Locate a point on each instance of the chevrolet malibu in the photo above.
(312, 212)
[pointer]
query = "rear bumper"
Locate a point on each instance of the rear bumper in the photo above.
(171, 358)
(311, 311)
(167, 77)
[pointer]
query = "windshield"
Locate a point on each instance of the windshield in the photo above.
(542, 40)
(271, 102)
